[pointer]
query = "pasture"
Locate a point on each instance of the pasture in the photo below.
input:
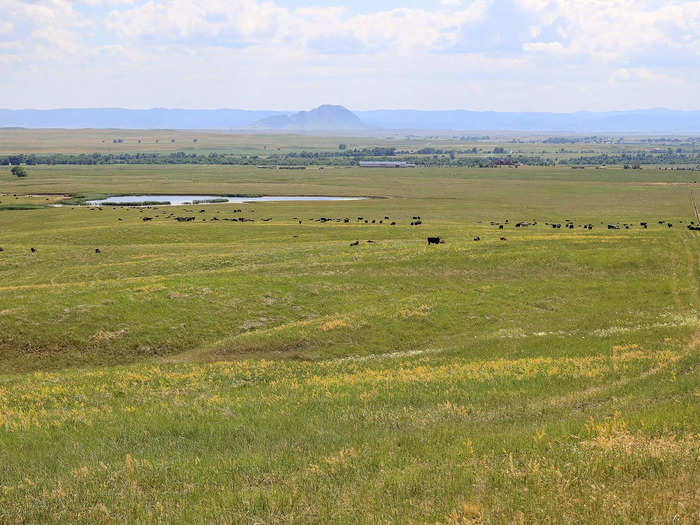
(267, 371)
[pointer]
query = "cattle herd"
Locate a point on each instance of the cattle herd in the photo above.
(150, 214)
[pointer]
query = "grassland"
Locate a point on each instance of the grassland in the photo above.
(47, 141)
(267, 372)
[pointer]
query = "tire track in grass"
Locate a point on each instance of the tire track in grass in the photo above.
(692, 346)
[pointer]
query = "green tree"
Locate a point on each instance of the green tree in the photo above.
(19, 171)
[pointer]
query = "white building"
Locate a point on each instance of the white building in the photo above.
(385, 164)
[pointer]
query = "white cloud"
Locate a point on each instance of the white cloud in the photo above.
(256, 53)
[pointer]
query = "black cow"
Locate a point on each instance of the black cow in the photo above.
(356, 243)
(613, 227)
(433, 240)
(477, 238)
(33, 250)
(97, 250)
(503, 239)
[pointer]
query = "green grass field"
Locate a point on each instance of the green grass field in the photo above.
(269, 372)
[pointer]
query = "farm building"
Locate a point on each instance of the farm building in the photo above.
(385, 164)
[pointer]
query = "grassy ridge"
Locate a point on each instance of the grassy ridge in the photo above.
(448, 437)
(270, 372)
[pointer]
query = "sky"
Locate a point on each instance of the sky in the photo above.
(500, 55)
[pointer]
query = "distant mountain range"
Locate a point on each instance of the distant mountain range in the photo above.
(336, 118)
(157, 118)
(323, 118)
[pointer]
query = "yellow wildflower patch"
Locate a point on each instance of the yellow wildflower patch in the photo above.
(333, 325)
(421, 310)
(103, 335)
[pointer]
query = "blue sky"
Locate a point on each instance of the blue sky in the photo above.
(506, 55)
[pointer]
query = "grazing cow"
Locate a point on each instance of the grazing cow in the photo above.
(346, 221)
(370, 242)
(613, 227)
(691, 227)
(146, 219)
(356, 243)
(393, 224)
(433, 240)
(477, 238)
(500, 227)
(97, 250)
(1, 249)
(670, 225)
(503, 239)
(386, 217)
(644, 225)
(33, 250)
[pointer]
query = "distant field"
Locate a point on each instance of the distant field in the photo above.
(270, 372)
(70, 141)
(103, 140)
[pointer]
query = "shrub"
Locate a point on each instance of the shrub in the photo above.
(19, 171)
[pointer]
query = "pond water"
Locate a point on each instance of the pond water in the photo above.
(177, 200)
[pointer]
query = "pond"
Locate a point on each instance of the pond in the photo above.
(178, 200)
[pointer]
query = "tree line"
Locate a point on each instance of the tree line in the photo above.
(302, 158)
